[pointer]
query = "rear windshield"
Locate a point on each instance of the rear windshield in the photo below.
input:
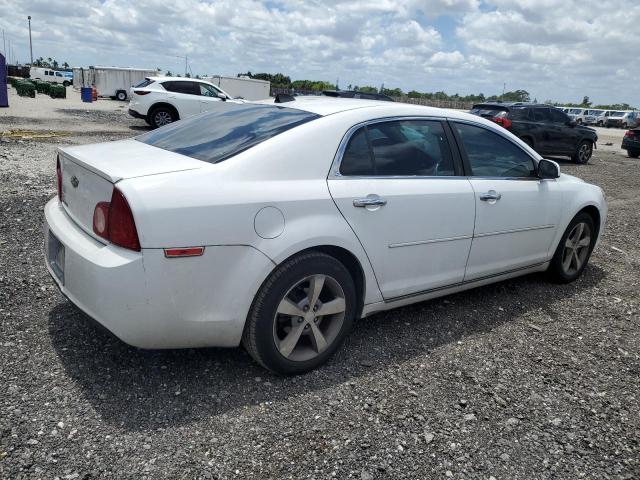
(226, 131)
(487, 111)
(144, 83)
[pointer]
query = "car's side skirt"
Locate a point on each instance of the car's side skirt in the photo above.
(395, 302)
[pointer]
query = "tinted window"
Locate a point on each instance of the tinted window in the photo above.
(145, 83)
(356, 159)
(519, 113)
(190, 88)
(491, 155)
(557, 116)
(208, 90)
(410, 148)
(487, 111)
(541, 114)
(226, 131)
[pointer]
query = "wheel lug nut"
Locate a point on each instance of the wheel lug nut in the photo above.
(315, 308)
(299, 319)
(305, 308)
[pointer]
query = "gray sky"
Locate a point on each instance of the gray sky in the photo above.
(555, 49)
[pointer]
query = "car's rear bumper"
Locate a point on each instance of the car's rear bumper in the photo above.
(135, 114)
(150, 301)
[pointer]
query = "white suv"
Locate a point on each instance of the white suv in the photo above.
(577, 114)
(163, 100)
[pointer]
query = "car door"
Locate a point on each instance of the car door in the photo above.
(400, 187)
(566, 133)
(185, 96)
(208, 97)
(517, 214)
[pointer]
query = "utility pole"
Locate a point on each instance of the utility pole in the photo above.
(30, 44)
(4, 45)
(504, 87)
(185, 65)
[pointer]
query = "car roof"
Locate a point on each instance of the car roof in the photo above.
(161, 78)
(323, 106)
(516, 104)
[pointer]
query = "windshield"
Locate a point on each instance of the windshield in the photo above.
(575, 110)
(226, 131)
(617, 114)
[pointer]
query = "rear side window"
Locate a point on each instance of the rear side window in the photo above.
(144, 83)
(190, 88)
(226, 130)
(356, 159)
(491, 155)
(399, 148)
(541, 114)
(519, 113)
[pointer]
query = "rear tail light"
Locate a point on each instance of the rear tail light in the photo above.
(59, 176)
(630, 133)
(114, 222)
(503, 121)
(141, 92)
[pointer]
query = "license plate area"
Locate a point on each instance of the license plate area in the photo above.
(55, 256)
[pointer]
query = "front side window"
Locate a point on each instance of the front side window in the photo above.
(399, 148)
(557, 116)
(226, 131)
(492, 155)
(208, 90)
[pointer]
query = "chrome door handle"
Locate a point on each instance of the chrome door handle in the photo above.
(490, 195)
(370, 201)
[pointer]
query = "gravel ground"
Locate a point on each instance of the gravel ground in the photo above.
(518, 380)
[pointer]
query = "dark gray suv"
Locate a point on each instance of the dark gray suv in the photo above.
(548, 130)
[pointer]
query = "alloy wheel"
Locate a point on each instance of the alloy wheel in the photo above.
(584, 154)
(309, 318)
(576, 248)
(162, 118)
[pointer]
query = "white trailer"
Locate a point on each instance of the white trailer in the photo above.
(243, 87)
(113, 82)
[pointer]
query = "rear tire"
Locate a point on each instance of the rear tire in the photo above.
(286, 331)
(574, 250)
(583, 153)
(121, 95)
(633, 153)
(161, 116)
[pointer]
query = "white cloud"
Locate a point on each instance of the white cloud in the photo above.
(560, 49)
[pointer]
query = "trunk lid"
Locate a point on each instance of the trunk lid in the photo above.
(89, 173)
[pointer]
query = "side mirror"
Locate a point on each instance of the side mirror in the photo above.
(222, 96)
(548, 170)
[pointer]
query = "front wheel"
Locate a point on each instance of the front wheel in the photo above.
(301, 314)
(122, 96)
(583, 153)
(633, 153)
(573, 252)
(65, 83)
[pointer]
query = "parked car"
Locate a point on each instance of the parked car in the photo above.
(356, 94)
(163, 100)
(546, 129)
(50, 75)
(243, 224)
(620, 120)
(577, 114)
(591, 116)
(631, 142)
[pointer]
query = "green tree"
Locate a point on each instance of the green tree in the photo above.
(585, 102)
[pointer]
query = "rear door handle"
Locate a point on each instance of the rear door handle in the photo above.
(371, 200)
(491, 195)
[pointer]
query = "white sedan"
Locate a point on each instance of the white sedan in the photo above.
(163, 100)
(277, 225)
